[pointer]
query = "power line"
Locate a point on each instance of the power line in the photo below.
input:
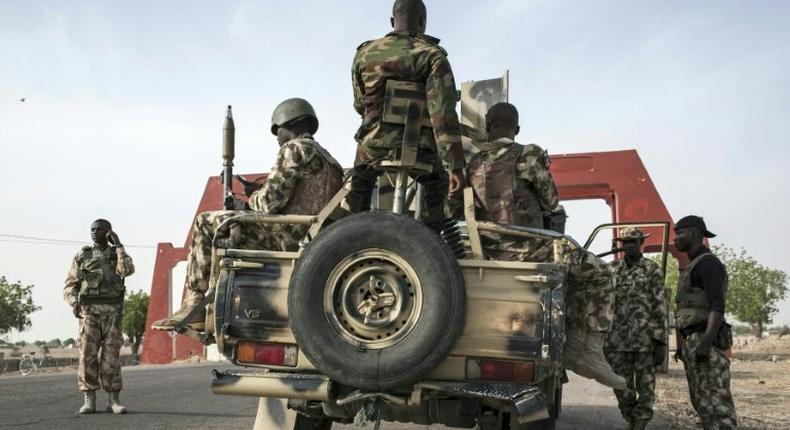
(15, 238)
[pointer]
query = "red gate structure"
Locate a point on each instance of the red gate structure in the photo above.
(619, 178)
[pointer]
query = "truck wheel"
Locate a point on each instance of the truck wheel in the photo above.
(306, 423)
(376, 301)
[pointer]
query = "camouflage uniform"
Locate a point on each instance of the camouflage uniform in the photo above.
(101, 337)
(412, 57)
(513, 185)
(303, 180)
(639, 321)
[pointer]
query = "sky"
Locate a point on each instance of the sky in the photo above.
(124, 103)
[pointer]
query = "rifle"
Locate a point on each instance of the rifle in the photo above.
(613, 251)
(228, 154)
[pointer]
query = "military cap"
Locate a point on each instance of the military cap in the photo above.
(694, 221)
(630, 233)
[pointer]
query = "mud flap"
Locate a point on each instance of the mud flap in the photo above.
(531, 407)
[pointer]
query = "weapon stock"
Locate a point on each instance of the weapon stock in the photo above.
(228, 154)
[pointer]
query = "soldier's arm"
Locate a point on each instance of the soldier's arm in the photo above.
(359, 88)
(125, 267)
(441, 95)
(659, 314)
(533, 168)
(72, 288)
(294, 161)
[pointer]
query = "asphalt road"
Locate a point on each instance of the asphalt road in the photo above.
(179, 397)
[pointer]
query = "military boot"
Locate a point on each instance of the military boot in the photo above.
(574, 348)
(113, 404)
(89, 406)
(191, 301)
(639, 424)
(592, 364)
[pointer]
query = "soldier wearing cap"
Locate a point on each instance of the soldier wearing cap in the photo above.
(637, 342)
(702, 334)
(406, 54)
(303, 180)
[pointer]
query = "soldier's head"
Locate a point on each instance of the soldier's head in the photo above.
(409, 15)
(690, 232)
(502, 121)
(292, 118)
(99, 230)
(631, 240)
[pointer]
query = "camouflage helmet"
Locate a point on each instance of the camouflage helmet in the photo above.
(293, 109)
(630, 233)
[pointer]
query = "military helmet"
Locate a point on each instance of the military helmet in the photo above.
(631, 233)
(290, 110)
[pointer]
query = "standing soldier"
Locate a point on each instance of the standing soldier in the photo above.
(302, 182)
(513, 185)
(702, 333)
(406, 54)
(95, 291)
(637, 342)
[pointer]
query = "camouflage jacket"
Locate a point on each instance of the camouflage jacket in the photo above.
(531, 170)
(409, 57)
(640, 307)
(297, 159)
(124, 268)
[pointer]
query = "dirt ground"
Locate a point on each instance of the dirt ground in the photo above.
(760, 373)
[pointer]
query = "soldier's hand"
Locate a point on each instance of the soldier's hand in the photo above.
(678, 356)
(702, 351)
(112, 237)
(75, 308)
(457, 183)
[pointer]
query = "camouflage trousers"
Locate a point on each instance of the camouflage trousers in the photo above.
(272, 237)
(101, 339)
(709, 386)
(589, 298)
(435, 185)
(636, 402)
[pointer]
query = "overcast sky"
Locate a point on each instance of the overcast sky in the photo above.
(124, 104)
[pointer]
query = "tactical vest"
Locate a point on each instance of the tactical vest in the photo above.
(692, 302)
(100, 281)
(499, 195)
(313, 192)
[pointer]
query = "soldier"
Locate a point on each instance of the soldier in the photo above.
(95, 291)
(637, 342)
(303, 180)
(406, 54)
(702, 334)
(513, 185)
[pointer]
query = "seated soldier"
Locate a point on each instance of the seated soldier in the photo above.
(512, 185)
(303, 180)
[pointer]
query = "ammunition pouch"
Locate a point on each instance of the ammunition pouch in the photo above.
(723, 339)
(98, 287)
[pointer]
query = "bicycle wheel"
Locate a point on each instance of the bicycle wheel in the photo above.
(48, 364)
(26, 366)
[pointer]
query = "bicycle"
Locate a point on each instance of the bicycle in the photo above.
(28, 364)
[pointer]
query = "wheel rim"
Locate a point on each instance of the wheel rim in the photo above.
(373, 299)
(25, 367)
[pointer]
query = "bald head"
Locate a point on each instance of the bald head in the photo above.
(409, 15)
(502, 121)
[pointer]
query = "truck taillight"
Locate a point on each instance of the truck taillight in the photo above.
(273, 354)
(495, 370)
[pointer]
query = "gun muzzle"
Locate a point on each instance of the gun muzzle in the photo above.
(228, 139)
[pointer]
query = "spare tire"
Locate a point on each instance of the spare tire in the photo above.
(376, 301)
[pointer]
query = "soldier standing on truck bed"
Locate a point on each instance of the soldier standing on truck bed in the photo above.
(406, 54)
(513, 185)
(637, 343)
(303, 180)
(95, 291)
(702, 334)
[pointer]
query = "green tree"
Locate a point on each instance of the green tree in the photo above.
(16, 305)
(55, 343)
(135, 312)
(68, 342)
(754, 291)
(21, 343)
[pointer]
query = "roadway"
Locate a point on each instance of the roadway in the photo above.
(179, 397)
